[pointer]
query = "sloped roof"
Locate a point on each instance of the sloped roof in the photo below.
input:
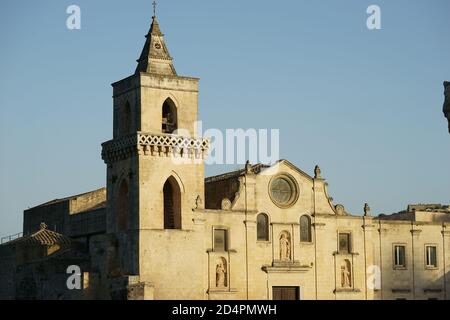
(155, 57)
(234, 174)
(44, 237)
(257, 168)
(294, 167)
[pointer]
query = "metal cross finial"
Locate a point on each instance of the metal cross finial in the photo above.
(154, 8)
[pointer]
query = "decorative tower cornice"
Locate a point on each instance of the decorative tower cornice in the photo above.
(154, 145)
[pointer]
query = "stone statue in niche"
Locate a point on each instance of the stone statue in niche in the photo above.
(346, 280)
(221, 273)
(285, 246)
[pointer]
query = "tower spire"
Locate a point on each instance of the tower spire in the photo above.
(155, 57)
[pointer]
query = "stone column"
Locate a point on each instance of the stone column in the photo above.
(416, 260)
(250, 229)
(369, 259)
(324, 279)
(446, 258)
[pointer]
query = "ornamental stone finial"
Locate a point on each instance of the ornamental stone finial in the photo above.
(366, 210)
(248, 167)
(340, 210)
(446, 108)
(317, 172)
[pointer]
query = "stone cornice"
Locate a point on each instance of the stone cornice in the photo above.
(318, 225)
(198, 221)
(346, 290)
(434, 290)
(286, 267)
(285, 223)
(337, 253)
(250, 223)
(222, 291)
(212, 251)
(401, 290)
(227, 212)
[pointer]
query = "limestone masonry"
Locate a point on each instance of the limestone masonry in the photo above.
(160, 230)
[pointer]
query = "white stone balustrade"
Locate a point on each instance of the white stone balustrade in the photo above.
(150, 144)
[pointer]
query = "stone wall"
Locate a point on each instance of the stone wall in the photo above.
(74, 216)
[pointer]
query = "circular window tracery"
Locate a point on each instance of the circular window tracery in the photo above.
(283, 190)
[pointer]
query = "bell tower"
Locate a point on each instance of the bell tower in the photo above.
(155, 167)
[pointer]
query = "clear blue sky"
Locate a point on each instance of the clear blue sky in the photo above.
(364, 105)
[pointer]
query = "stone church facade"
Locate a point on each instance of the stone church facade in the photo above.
(160, 230)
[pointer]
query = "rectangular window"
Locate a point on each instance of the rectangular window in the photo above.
(220, 240)
(431, 260)
(344, 242)
(399, 256)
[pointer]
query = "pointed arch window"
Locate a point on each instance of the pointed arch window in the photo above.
(169, 116)
(305, 229)
(262, 227)
(123, 207)
(172, 204)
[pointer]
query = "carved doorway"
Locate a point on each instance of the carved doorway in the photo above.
(285, 293)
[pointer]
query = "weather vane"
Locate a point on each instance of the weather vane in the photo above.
(154, 8)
